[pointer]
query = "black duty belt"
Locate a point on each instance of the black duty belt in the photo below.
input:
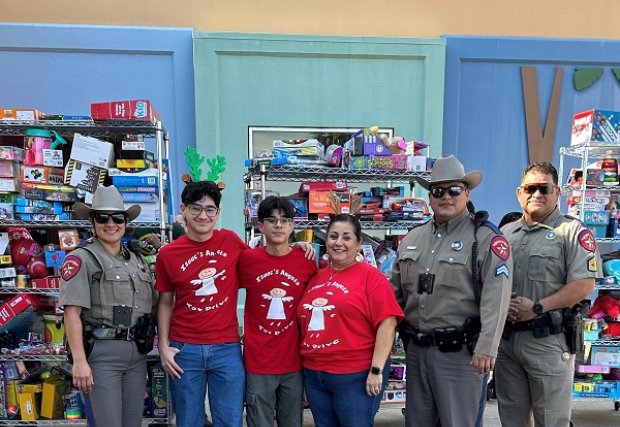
(427, 339)
(103, 332)
(520, 326)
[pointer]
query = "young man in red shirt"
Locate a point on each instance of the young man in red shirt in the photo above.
(197, 313)
(275, 277)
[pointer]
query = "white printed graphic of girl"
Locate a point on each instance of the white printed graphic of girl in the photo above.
(278, 297)
(318, 307)
(207, 280)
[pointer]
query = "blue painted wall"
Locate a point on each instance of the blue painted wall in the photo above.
(484, 115)
(62, 69)
(276, 80)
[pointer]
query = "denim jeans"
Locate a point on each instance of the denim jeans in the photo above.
(219, 365)
(340, 400)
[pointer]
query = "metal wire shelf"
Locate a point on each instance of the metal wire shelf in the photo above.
(366, 225)
(77, 223)
(303, 173)
(69, 127)
(594, 149)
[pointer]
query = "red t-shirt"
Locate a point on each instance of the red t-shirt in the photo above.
(339, 318)
(274, 286)
(203, 277)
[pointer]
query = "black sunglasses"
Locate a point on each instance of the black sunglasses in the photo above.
(543, 188)
(102, 218)
(453, 191)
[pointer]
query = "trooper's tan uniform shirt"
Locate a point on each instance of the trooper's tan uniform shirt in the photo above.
(551, 254)
(97, 281)
(446, 251)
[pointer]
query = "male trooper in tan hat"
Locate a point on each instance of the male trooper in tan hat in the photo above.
(452, 278)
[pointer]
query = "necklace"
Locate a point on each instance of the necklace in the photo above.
(334, 272)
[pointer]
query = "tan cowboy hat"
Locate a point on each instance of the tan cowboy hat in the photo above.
(449, 169)
(106, 199)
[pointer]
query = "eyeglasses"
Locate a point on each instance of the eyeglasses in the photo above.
(453, 191)
(196, 210)
(544, 188)
(103, 218)
(272, 220)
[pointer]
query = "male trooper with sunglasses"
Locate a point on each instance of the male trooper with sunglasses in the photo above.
(452, 275)
(556, 263)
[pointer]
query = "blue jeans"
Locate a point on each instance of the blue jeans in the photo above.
(221, 367)
(340, 400)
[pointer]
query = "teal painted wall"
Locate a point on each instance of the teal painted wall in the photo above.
(246, 80)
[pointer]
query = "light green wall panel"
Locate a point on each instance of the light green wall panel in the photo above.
(246, 80)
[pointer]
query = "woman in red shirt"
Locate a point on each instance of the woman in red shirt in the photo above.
(348, 316)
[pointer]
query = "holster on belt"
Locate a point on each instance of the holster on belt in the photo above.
(144, 333)
(573, 327)
(88, 340)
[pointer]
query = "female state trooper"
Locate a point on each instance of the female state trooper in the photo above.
(107, 293)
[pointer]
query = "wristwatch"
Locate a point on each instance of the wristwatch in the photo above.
(537, 308)
(375, 370)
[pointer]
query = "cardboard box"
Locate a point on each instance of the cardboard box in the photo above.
(596, 217)
(8, 169)
(159, 391)
(301, 207)
(9, 152)
(417, 163)
(84, 176)
(52, 158)
(9, 185)
(13, 306)
(29, 405)
(7, 272)
(50, 282)
(42, 175)
(68, 239)
(6, 211)
(329, 202)
(52, 402)
(133, 146)
(19, 114)
(606, 356)
(142, 181)
(140, 197)
(54, 259)
(391, 162)
(595, 126)
(307, 186)
(136, 189)
(137, 109)
(92, 151)
(54, 193)
(133, 163)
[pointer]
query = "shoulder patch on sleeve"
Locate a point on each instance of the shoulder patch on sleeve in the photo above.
(500, 247)
(592, 264)
(586, 240)
(70, 267)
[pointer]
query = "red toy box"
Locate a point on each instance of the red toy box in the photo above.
(136, 109)
(13, 306)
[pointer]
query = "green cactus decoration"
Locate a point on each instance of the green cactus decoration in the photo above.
(194, 161)
(217, 166)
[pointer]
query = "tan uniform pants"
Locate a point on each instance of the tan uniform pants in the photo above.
(534, 376)
(119, 372)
